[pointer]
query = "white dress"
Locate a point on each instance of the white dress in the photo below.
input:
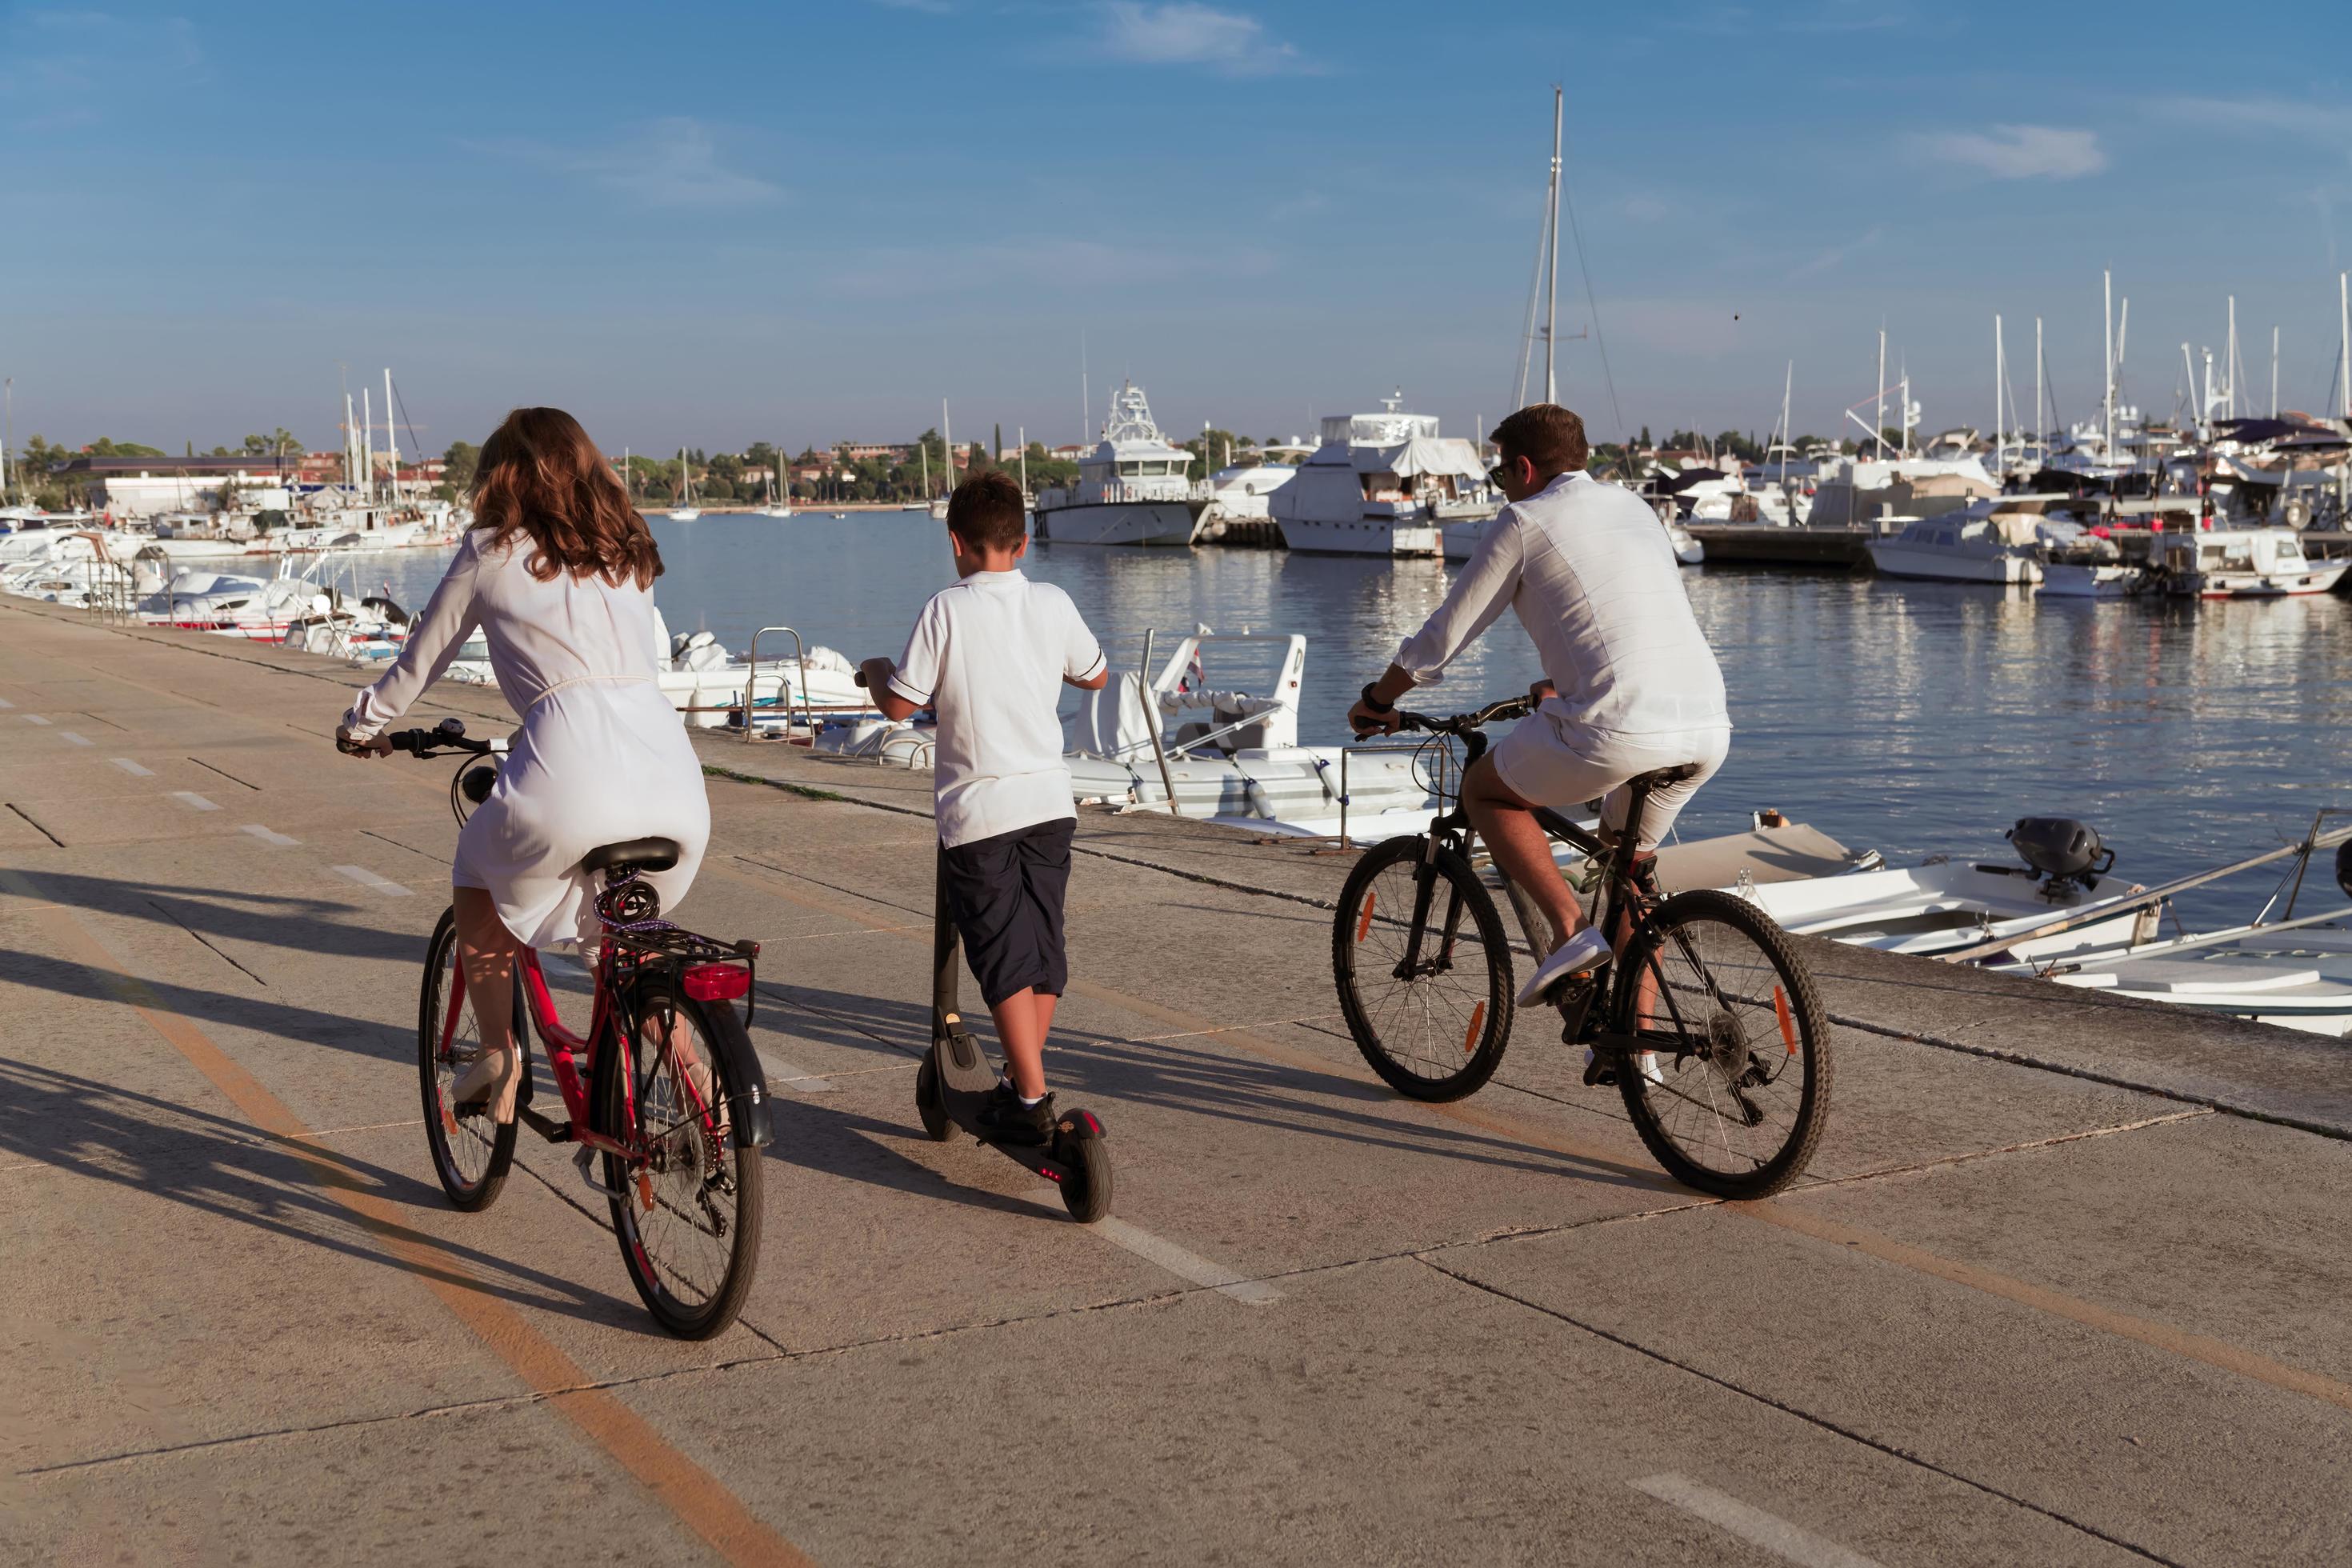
(602, 756)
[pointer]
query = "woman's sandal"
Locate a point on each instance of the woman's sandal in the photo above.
(493, 1078)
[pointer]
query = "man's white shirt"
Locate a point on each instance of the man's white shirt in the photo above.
(990, 656)
(1594, 580)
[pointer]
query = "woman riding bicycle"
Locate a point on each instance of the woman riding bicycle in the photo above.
(557, 573)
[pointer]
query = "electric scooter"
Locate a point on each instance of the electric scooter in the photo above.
(957, 1076)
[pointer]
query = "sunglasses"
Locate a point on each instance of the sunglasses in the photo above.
(1496, 475)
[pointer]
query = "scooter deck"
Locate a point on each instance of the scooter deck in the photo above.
(966, 1078)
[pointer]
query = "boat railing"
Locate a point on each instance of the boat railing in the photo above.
(751, 685)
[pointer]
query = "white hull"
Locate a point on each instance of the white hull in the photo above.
(1364, 536)
(684, 514)
(2067, 581)
(1893, 559)
(2319, 577)
(1943, 908)
(1119, 522)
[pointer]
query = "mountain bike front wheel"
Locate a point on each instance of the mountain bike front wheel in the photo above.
(687, 1208)
(1732, 1087)
(1423, 970)
(472, 1154)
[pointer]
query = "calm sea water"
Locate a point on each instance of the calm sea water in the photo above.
(1912, 718)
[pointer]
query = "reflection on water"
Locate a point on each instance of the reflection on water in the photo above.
(1912, 717)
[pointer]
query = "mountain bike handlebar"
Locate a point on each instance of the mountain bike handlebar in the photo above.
(1461, 724)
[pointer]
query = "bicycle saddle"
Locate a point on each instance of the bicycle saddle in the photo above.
(1661, 777)
(644, 854)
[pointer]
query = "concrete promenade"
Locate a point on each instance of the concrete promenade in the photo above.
(2067, 1282)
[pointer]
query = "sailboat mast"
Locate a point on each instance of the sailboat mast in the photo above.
(1551, 285)
(1788, 385)
(367, 447)
(2000, 369)
(2273, 370)
(2040, 438)
(947, 449)
(1878, 426)
(2108, 396)
(391, 435)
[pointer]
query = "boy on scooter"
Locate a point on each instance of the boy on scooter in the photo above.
(990, 656)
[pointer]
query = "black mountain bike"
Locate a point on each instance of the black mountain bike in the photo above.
(1706, 1018)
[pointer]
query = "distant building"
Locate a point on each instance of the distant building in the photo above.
(130, 488)
(863, 451)
(1068, 453)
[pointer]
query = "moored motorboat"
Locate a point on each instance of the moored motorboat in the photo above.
(1383, 484)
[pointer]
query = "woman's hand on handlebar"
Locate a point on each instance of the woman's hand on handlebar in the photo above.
(1367, 721)
(373, 746)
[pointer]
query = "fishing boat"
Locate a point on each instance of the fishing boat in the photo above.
(1133, 488)
(2242, 563)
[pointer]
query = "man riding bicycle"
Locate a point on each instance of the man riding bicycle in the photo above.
(1630, 686)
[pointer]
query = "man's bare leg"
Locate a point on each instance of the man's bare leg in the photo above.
(1521, 848)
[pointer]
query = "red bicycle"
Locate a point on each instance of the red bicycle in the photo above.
(663, 1090)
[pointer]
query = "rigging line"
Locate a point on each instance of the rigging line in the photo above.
(1535, 298)
(1585, 268)
(402, 402)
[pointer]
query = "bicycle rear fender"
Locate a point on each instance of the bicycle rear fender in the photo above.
(749, 1116)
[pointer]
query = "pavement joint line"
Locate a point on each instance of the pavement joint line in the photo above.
(698, 1502)
(134, 769)
(1768, 1531)
(373, 883)
(36, 824)
(781, 1071)
(411, 848)
(275, 840)
(192, 801)
(1837, 1428)
(2043, 1064)
(1969, 1157)
(224, 772)
(208, 944)
(74, 738)
(2188, 1346)
(370, 1127)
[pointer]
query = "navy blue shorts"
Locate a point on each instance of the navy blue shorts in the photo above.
(1005, 895)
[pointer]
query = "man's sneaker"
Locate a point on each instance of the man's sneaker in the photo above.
(1588, 949)
(1600, 1070)
(1005, 1119)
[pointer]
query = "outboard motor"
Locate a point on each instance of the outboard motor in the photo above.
(2067, 852)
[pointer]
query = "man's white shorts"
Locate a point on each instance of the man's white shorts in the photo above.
(1547, 762)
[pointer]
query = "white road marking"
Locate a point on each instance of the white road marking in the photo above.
(275, 840)
(77, 740)
(1189, 1267)
(367, 879)
(5, 703)
(1752, 1525)
(134, 769)
(192, 801)
(34, 719)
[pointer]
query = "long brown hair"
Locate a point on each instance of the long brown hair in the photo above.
(540, 475)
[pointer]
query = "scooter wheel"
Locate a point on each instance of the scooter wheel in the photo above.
(1086, 1193)
(928, 1104)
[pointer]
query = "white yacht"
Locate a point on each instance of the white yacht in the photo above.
(2243, 563)
(1858, 492)
(1240, 494)
(1133, 488)
(1383, 484)
(1979, 545)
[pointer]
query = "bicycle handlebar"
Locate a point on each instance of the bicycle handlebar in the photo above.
(449, 736)
(1461, 724)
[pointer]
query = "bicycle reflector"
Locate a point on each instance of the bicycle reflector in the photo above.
(716, 982)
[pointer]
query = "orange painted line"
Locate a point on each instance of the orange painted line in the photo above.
(699, 1501)
(2163, 1336)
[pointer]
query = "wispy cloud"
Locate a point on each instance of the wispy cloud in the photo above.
(1820, 17)
(669, 163)
(1836, 254)
(64, 68)
(1048, 268)
(2016, 152)
(1184, 34)
(2325, 123)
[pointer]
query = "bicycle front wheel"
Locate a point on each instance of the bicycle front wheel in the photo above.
(686, 1208)
(1423, 970)
(1733, 1087)
(472, 1154)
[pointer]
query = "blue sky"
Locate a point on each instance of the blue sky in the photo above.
(722, 223)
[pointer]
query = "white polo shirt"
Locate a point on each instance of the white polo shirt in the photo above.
(990, 655)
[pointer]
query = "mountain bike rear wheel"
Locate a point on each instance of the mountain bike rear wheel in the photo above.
(1732, 1089)
(1423, 970)
(687, 1213)
(472, 1154)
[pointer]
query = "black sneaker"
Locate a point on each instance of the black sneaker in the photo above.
(1005, 1119)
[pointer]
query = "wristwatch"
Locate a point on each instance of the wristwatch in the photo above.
(1374, 704)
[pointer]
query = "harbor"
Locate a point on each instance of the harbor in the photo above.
(2063, 1283)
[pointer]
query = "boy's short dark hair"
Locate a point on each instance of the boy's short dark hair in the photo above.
(1545, 434)
(986, 513)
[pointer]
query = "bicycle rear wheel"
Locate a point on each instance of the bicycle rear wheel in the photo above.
(472, 1154)
(688, 1213)
(1423, 970)
(1737, 1085)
